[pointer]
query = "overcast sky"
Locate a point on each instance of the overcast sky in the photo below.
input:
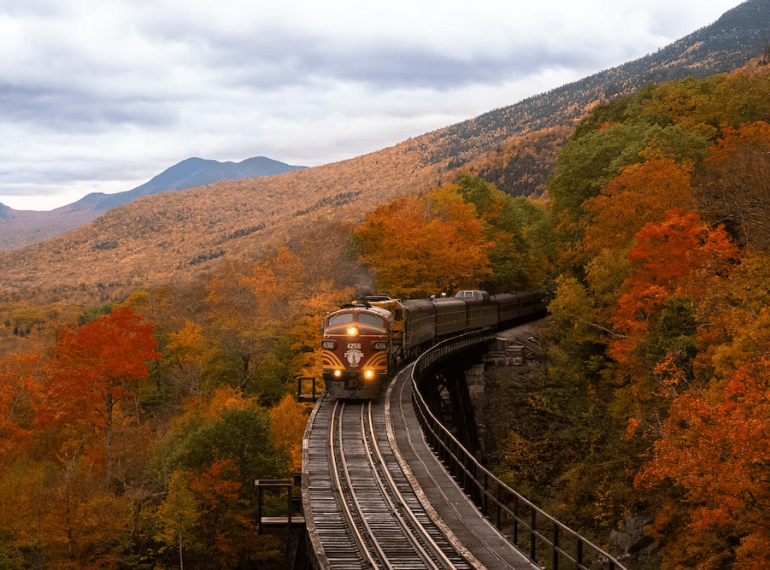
(102, 95)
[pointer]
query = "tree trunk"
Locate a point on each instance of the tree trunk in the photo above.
(109, 405)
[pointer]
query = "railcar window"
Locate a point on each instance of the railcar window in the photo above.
(369, 319)
(341, 318)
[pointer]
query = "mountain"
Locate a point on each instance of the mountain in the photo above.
(5, 212)
(738, 36)
(177, 237)
(190, 173)
(22, 227)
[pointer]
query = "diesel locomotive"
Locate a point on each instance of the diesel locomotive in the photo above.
(365, 342)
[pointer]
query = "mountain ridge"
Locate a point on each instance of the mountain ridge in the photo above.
(189, 173)
(22, 227)
(162, 238)
(736, 37)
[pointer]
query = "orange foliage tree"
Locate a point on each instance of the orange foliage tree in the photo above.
(641, 193)
(248, 307)
(417, 246)
(20, 385)
(187, 351)
(735, 185)
(712, 465)
(288, 420)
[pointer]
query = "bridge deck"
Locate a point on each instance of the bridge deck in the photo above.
(472, 534)
(437, 497)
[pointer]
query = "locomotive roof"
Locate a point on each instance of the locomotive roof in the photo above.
(384, 313)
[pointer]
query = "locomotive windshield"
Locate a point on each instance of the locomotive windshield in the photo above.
(340, 318)
(365, 318)
(369, 319)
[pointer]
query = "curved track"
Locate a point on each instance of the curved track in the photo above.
(363, 509)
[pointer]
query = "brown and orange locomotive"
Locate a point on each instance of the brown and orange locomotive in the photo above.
(366, 341)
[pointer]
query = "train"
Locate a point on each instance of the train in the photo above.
(365, 342)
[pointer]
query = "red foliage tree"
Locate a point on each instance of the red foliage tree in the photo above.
(19, 391)
(680, 256)
(93, 375)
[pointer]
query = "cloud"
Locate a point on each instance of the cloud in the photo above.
(98, 94)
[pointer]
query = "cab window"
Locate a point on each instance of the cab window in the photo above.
(340, 318)
(369, 319)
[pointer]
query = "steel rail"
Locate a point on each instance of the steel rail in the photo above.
(338, 482)
(387, 531)
(392, 490)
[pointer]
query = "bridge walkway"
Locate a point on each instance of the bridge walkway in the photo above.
(472, 534)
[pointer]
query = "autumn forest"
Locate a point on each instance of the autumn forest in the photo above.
(131, 432)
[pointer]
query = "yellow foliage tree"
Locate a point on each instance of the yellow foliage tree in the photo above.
(287, 426)
(178, 516)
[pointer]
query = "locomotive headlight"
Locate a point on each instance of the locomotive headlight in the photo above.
(368, 374)
(353, 331)
(337, 373)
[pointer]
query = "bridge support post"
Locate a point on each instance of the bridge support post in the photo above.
(463, 416)
(533, 535)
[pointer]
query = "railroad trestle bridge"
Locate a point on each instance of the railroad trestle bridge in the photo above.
(386, 485)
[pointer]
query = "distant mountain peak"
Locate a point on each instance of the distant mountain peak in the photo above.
(192, 172)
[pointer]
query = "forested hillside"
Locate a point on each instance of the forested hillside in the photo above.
(131, 433)
(739, 35)
(660, 313)
(149, 361)
(157, 239)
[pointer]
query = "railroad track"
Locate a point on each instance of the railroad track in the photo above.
(365, 512)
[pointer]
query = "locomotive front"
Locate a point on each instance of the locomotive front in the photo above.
(356, 343)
